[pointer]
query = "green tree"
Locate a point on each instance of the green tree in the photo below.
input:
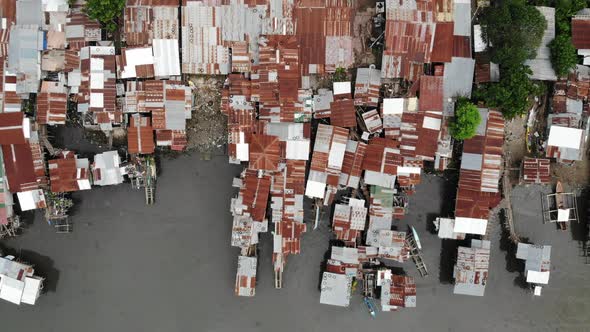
(467, 118)
(511, 94)
(563, 54)
(340, 75)
(564, 10)
(107, 12)
(514, 30)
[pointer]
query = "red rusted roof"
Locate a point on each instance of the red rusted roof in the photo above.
(536, 170)
(581, 33)
(342, 113)
(431, 93)
(63, 174)
(443, 46)
(381, 156)
(265, 152)
(482, 68)
(11, 128)
(478, 188)
(51, 108)
(352, 164)
(140, 136)
(20, 170)
(461, 46)
(255, 192)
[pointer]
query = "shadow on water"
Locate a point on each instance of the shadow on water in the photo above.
(507, 245)
(430, 217)
(579, 229)
(448, 256)
(43, 265)
(449, 192)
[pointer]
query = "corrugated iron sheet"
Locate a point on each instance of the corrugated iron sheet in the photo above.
(581, 32)
(536, 170)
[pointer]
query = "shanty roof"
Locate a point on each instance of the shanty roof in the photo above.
(19, 167)
(409, 32)
(69, 173)
(14, 128)
(26, 41)
(31, 200)
(265, 152)
(398, 292)
(458, 77)
(135, 63)
(581, 31)
(324, 30)
(52, 108)
(352, 164)
(327, 159)
(481, 170)
(462, 18)
(536, 170)
(166, 58)
(343, 114)
(107, 169)
(246, 276)
(336, 289)
(537, 262)
(366, 87)
(541, 64)
(564, 137)
(471, 270)
(442, 47)
(140, 136)
(485, 70)
(431, 93)
(254, 194)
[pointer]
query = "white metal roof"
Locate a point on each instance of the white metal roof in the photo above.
(315, 189)
(393, 106)
(336, 289)
(166, 57)
(431, 123)
(565, 137)
(470, 225)
(341, 88)
(297, 150)
(28, 199)
(537, 277)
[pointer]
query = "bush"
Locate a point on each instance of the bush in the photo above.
(467, 118)
(106, 12)
(563, 54)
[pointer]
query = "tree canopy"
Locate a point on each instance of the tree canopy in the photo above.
(467, 118)
(514, 30)
(106, 12)
(512, 93)
(563, 54)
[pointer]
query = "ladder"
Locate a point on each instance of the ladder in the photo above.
(149, 195)
(416, 255)
(62, 226)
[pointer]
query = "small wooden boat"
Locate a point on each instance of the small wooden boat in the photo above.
(560, 203)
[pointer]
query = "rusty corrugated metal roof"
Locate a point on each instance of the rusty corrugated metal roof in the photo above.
(581, 32)
(19, 167)
(443, 46)
(11, 128)
(51, 108)
(140, 135)
(265, 152)
(536, 170)
(431, 93)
